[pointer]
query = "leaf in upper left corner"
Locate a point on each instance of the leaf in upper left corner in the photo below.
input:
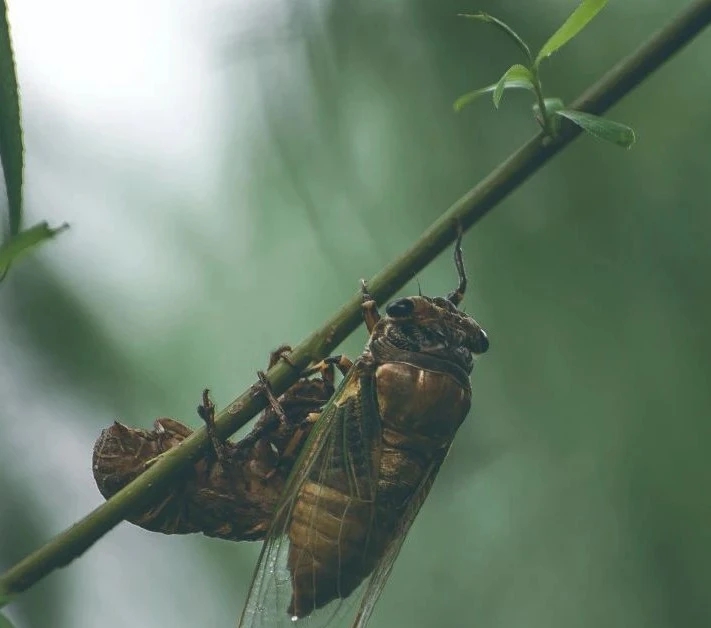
(24, 241)
(602, 128)
(11, 148)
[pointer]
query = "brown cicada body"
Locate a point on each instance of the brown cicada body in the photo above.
(231, 493)
(368, 464)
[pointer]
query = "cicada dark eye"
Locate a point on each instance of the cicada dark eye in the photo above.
(400, 308)
(481, 343)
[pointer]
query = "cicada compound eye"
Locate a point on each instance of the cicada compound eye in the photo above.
(481, 343)
(400, 308)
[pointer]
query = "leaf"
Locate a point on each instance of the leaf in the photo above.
(5, 622)
(490, 19)
(518, 74)
(605, 129)
(24, 241)
(552, 105)
(470, 97)
(11, 149)
(578, 19)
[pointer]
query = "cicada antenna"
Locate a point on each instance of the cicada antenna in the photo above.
(457, 295)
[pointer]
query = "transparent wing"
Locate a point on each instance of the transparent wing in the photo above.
(381, 572)
(329, 501)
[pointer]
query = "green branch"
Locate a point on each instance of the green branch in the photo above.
(618, 82)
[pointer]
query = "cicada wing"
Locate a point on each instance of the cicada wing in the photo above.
(310, 566)
(383, 567)
(269, 585)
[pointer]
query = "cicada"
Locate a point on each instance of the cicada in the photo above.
(368, 464)
(233, 491)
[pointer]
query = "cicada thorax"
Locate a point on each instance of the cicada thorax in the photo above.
(421, 411)
(406, 396)
(233, 498)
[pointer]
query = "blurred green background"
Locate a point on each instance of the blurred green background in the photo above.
(231, 169)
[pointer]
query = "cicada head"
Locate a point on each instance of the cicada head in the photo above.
(433, 326)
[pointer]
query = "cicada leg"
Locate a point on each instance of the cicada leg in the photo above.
(293, 447)
(206, 411)
(283, 428)
(271, 398)
(281, 353)
(325, 367)
(298, 393)
(369, 307)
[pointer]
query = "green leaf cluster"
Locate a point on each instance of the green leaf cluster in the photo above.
(16, 240)
(549, 112)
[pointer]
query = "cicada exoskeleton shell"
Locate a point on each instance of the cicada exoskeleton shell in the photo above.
(231, 496)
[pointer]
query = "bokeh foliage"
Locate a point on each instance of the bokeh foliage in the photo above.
(575, 494)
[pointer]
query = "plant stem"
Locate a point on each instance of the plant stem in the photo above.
(510, 174)
(545, 118)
